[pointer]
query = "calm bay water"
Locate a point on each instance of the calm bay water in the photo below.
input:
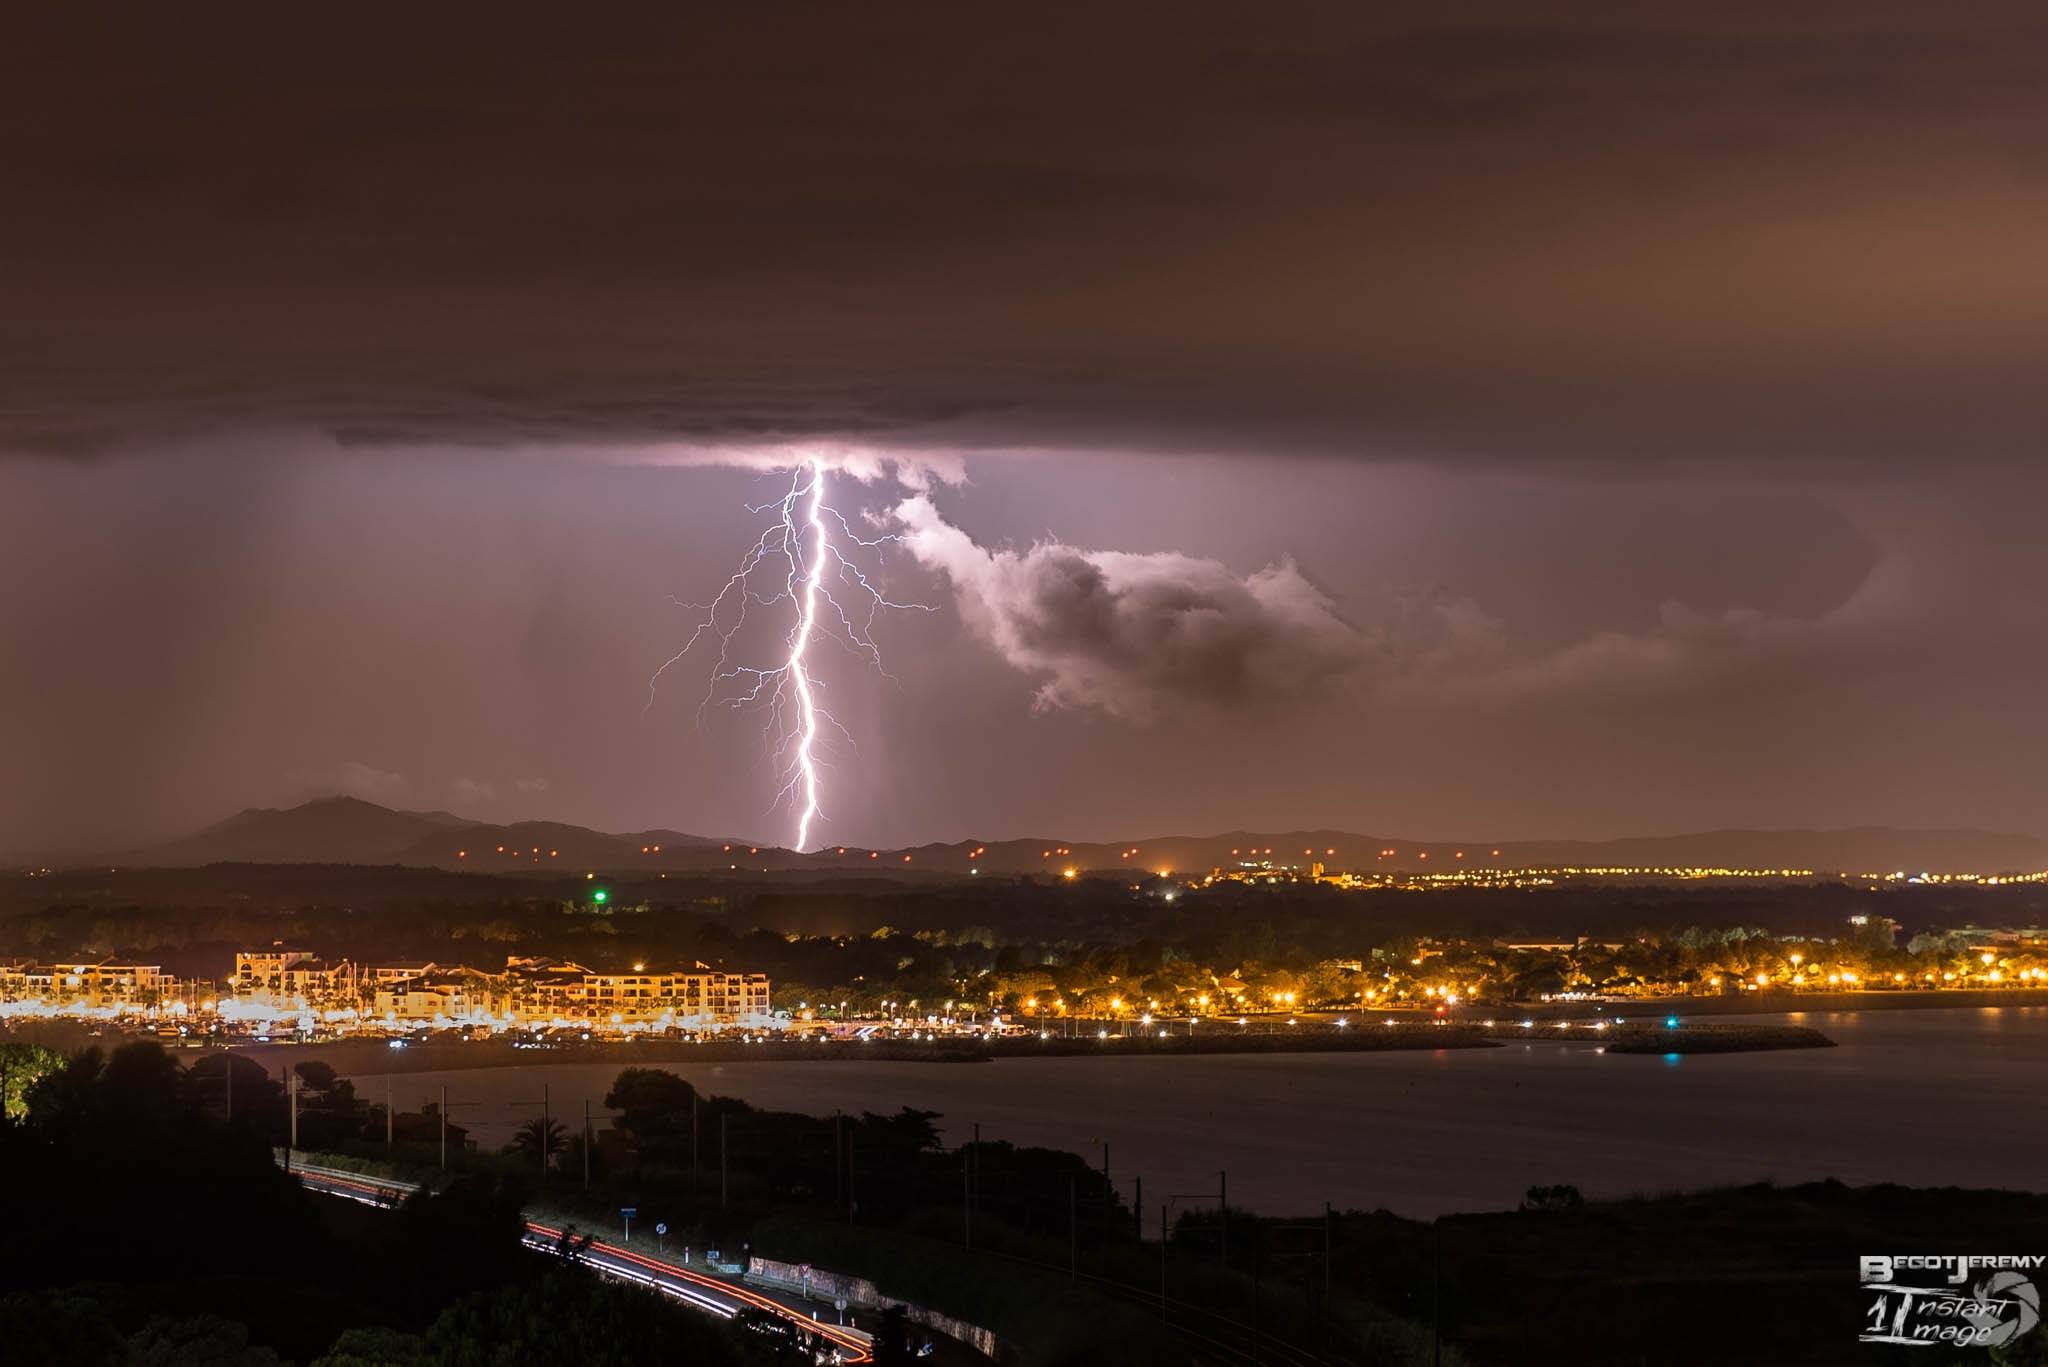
(1925, 1098)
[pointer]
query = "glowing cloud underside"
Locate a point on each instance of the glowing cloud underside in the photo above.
(809, 568)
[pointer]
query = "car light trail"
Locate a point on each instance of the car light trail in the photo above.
(811, 565)
(610, 1259)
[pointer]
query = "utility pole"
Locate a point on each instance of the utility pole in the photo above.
(1329, 1225)
(1138, 1209)
(228, 1076)
(292, 1087)
(586, 1143)
(695, 1185)
(390, 1130)
(544, 1123)
(721, 1161)
(851, 1132)
(444, 1127)
(1223, 1210)
(1162, 1259)
(1108, 1195)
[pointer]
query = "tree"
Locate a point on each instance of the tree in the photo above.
(572, 1247)
(892, 1339)
(466, 1237)
(654, 1107)
(1553, 1200)
(568, 1315)
(62, 1326)
(375, 1348)
(315, 1075)
(21, 1067)
(537, 1137)
(200, 1341)
(258, 1099)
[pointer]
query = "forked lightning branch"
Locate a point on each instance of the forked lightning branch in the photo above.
(801, 564)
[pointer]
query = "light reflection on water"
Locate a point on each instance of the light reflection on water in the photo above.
(1935, 1097)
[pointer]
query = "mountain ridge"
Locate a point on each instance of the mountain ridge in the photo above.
(346, 830)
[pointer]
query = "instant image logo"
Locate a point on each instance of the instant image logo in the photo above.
(1963, 1300)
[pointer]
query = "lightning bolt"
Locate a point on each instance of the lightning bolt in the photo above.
(805, 565)
(806, 760)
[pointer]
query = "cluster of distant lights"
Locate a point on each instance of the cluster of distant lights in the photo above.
(1530, 876)
(531, 854)
(1248, 871)
(297, 1014)
(1989, 880)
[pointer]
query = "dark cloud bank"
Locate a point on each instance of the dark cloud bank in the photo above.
(1484, 231)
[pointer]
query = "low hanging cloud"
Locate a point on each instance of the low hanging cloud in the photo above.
(1467, 657)
(1141, 635)
(1136, 635)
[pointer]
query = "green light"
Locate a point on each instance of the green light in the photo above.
(600, 896)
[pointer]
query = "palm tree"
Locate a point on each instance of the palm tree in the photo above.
(539, 1136)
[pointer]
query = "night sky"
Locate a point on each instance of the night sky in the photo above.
(1435, 420)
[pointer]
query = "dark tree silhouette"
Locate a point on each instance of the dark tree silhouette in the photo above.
(537, 1134)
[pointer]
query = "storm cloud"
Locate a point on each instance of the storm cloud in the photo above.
(1513, 231)
(1136, 634)
(1635, 411)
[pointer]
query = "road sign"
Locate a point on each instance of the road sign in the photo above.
(661, 1229)
(629, 1211)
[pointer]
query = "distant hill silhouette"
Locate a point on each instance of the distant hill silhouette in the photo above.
(328, 830)
(344, 830)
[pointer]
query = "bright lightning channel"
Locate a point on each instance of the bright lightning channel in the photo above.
(806, 699)
(798, 555)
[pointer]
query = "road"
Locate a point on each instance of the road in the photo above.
(711, 1295)
(1213, 1338)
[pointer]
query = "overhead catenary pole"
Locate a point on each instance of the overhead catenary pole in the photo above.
(1329, 1225)
(1163, 1241)
(1223, 1210)
(1108, 1197)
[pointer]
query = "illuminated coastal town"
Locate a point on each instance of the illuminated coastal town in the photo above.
(287, 990)
(288, 994)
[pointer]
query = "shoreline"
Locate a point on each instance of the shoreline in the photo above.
(1412, 1033)
(375, 1057)
(1775, 1003)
